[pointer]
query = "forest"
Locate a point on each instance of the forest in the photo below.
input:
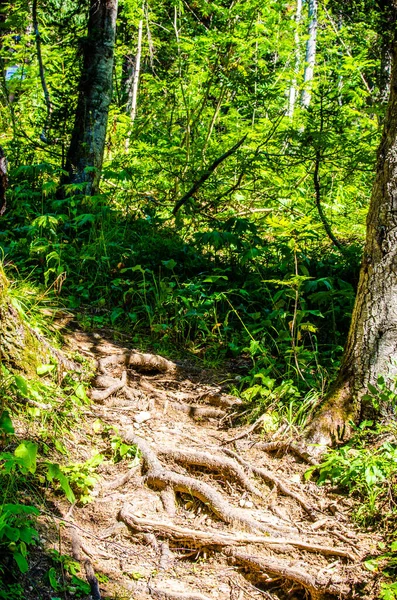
(198, 299)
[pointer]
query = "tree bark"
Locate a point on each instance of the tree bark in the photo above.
(371, 349)
(85, 155)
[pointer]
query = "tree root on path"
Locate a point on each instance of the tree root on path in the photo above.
(77, 546)
(218, 399)
(195, 411)
(158, 477)
(199, 538)
(101, 395)
(151, 362)
(271, 478)
(198, 411)
(169, 595)
(316, 586)
(295, 448)
(220, 464)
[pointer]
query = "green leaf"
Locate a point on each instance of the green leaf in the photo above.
(27, 455)
(81, 584)
(215, 278)
(371, 565)
(12, 533)
(20, 509)
(21, 561)
(52, 577)
(44, 369)
(80, 392)
(6, 423)
(21, 384)
(54, 472)
(169, 264)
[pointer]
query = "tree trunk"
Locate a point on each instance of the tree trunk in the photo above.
(371, 349)
(310, 53)
(133, 82)
(292, 90)
(3, 181)
(85, 155)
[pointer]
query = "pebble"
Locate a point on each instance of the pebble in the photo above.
(142, 416)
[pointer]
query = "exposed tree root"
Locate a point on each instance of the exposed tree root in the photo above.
(198, 538)
(102, 395)
(218, 399)
(212, 462)
(198, 411)
(158, 477)
(295, 448)
(166, 557)
(77, 546)
(169, 595)
(317, 586)
(151, 362)
(119, 481)
(271, 478)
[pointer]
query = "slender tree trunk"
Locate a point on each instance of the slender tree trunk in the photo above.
(310, 53)
(85, 155)
(371, 349)
(133, 92)
(3, 181)
(292, 90)
(133, 82)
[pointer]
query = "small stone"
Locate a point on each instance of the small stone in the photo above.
(137, 425)
(143, 416)
(249, 504)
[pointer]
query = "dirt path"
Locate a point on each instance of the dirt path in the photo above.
(200, 516)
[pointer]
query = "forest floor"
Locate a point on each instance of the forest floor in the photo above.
(210, 510)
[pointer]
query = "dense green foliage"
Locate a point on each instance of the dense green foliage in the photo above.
(245, 266)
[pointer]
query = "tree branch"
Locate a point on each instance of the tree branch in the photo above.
(206, 175)
(317, 189)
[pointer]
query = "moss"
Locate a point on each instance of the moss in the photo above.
(19, 348)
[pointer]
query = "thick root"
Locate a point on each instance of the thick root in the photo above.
(220, 464)
(288, 447)
(169, 595)
(151, 362)
(101, 395)
(317, 587)
(198, 411)
(269, 477)
(198, 538)
(330, 424)
(219, 400)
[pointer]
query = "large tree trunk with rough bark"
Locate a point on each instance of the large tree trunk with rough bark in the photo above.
(371, 349)
(85, 155)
